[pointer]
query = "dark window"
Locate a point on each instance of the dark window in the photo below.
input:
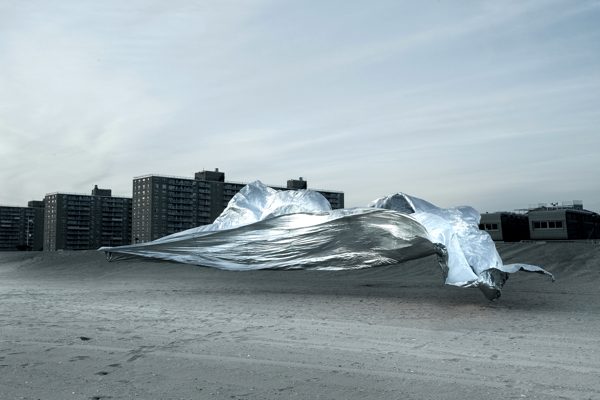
(494, 227)
(551, 224)
(559, 224)
(544, 224)
(536, 225)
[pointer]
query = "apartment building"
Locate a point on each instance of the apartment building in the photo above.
(79, 222)
(163, 205)
(21, 228)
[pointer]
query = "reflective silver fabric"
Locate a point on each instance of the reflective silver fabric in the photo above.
(262, 228)
(473, 260)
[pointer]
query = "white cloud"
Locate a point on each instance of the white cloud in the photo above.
(445, 102)
(66, 117)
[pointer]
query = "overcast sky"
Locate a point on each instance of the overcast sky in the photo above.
(491, 104)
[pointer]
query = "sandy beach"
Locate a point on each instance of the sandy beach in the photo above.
(74, 326)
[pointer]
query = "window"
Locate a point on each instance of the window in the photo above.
(547, 224)
(489, 227)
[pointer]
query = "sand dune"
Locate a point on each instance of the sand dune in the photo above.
(73, 326)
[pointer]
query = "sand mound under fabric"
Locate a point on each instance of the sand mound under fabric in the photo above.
(75, 326)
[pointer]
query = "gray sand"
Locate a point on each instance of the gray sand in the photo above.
(73, 326)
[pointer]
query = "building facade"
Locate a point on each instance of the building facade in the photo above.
(335, 198)
(567, 221)
(81, 222)
(21, 228)
(505, 226)
(38, 223)
(163, 205)
(564, 224)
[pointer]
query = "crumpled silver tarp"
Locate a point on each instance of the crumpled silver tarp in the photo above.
(263, 228)
(473, 260)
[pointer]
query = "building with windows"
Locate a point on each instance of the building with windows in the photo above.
(335, 198)
(163, 205)
(566, 223)
(505, 226)
(81, 222)
(38, 224)
(21, 228)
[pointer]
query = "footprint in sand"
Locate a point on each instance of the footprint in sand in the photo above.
(79, 358)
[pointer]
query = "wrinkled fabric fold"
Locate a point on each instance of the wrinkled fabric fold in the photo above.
(262, 228)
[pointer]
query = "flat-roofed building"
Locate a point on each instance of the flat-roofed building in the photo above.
(163, 205)
(81, 222)
(38, 224)
(21, 228)
(505, 226)
(563, 224)
(554, 221)
(335, 198)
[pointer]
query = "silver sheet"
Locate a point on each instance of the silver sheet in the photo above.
(473, 260)
(262, 228)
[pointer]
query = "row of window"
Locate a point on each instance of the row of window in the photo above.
(534, 225)
(488, 227)
(547, 224)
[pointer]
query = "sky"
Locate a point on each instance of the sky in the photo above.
(493, 104)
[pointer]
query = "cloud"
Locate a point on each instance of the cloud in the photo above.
(466, 101)
(65, 117)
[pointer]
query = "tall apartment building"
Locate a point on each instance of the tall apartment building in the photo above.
(335, 198)
(163, 205)
(22, 228)
(80, 222)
